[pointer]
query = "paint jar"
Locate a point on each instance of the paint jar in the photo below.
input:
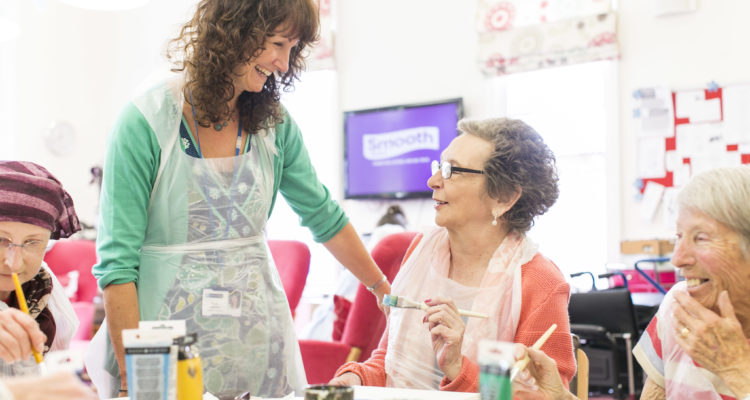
(329, 392)
(495, 362)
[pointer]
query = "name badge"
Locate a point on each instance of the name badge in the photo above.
(221, 302)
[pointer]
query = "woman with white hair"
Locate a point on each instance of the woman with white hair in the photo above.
(697, 344)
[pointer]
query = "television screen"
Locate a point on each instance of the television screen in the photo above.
(388, 151)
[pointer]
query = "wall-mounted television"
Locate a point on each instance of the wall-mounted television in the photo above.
(388, 151)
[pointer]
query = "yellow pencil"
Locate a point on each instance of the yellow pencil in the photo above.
(522, 363)
(25, 308)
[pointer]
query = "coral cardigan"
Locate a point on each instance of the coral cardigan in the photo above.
(545, 301)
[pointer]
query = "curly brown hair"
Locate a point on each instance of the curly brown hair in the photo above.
(519, 159)
(226, 33)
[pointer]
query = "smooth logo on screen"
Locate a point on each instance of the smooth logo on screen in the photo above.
(379, 146)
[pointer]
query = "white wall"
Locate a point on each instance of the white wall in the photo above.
(81, 67)
(678, 51)
(391, 52)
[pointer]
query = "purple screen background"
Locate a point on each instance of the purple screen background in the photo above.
(408, 172)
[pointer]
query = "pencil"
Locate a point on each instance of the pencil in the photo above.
(522, 363)
(25, 308)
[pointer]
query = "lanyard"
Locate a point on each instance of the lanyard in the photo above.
(234, 174)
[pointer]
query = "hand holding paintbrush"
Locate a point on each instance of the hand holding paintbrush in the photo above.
(403, 302)
(522, 363)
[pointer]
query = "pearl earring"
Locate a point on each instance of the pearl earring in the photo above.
(494, 219)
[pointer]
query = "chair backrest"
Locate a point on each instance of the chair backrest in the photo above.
(582, 375)
(365, 323)
(579, 385)
(611, 309)
(75, 255)
(292, 259)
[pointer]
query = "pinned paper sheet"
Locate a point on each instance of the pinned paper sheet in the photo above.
(672, 160)
(700, 139)
(681, 175)
(653, 113)
(736, 117)
(669, 207)
(651, 199)
(693, 105)
(650, 155)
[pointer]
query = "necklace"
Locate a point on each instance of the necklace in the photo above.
(221, 126)
(218, 127)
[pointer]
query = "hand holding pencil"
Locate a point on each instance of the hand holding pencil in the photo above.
(19, 333)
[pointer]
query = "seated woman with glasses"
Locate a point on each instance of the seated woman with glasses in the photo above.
(34, 208)
(492, 181)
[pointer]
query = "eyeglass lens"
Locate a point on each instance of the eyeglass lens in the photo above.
(444, 168)
(31, 246)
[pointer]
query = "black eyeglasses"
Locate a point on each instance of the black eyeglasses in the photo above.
(446, 169)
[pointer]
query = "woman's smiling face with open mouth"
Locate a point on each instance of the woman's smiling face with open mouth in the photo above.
(710, 256)
(274, 57)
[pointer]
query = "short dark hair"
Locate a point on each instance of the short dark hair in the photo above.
(223, 34)
(394, 216)
(519, 159)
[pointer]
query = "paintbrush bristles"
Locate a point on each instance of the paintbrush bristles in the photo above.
(404, 302)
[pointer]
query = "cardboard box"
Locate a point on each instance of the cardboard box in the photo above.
(655, 247)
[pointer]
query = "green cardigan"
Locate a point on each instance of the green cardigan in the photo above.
(130, 168)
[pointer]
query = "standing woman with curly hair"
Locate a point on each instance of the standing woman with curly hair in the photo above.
(191, 174)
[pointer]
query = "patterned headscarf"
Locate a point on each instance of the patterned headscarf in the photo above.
(30, 194)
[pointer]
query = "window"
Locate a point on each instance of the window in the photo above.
(574, 109)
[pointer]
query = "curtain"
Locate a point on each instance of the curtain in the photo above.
(524, 35)
(321, 54)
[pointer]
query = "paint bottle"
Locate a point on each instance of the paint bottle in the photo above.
(189, 374)
(495, 361)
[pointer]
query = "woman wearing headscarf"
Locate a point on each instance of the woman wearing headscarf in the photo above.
(490, 184)
(34, 208)
(192, 171)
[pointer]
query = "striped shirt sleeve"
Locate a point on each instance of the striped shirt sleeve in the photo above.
(648, 352)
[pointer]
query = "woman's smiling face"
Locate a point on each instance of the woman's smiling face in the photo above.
(273, 57)
(710, 256)
(462, 199)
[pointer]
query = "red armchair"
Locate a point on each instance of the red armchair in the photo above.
(292, 259)
(76, 255)
(365, 323)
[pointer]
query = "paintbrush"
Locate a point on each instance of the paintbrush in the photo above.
(403, 302)
(522, 363)
(25, 308)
